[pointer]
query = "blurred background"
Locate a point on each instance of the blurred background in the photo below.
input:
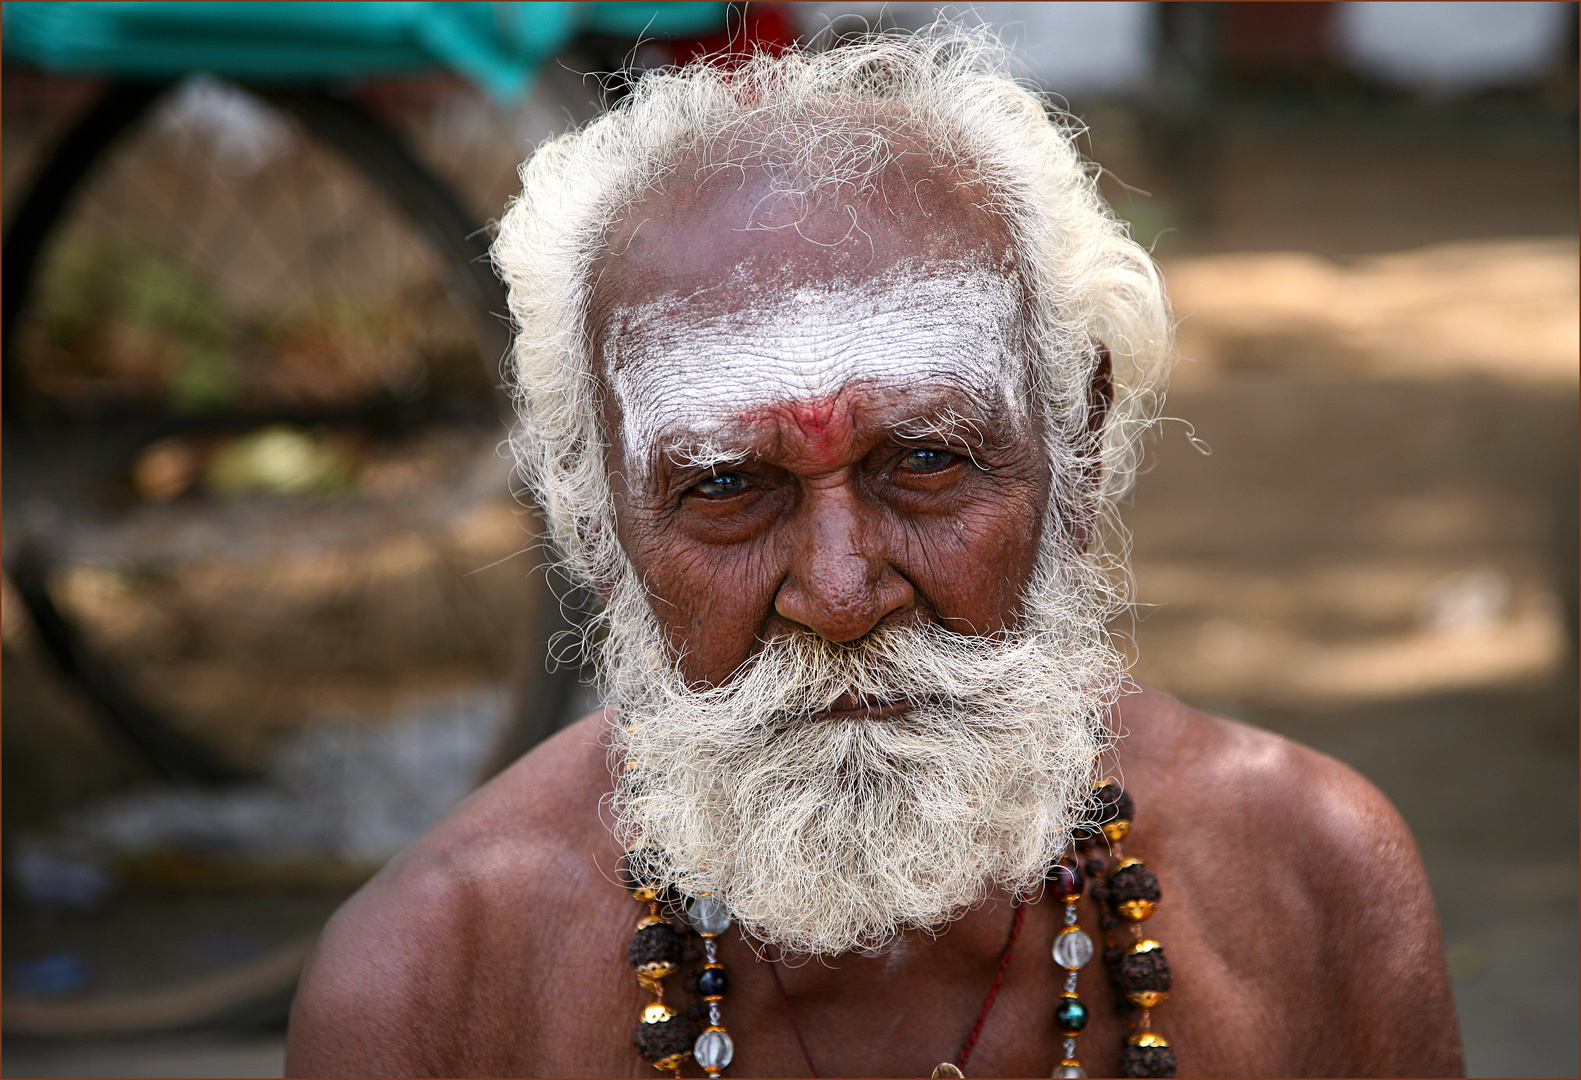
(272, 606)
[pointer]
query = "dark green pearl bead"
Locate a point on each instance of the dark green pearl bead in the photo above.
(1071, 1016)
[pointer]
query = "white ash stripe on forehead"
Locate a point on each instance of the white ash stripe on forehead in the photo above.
(675, 374)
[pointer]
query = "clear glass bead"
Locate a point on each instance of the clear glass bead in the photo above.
(1072, 948)
(714, 1048)
(1070, 1071)
(708, 916)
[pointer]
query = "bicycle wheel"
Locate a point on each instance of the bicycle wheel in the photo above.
(216, 260)
(252, 364)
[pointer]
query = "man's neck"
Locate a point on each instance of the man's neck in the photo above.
(975, 940)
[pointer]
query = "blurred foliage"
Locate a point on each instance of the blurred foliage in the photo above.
(113, 310)
(118, 319)
(280, 460)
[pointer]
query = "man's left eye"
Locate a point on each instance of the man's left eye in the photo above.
(926, 460)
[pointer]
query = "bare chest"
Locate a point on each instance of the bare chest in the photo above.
(906, 1015)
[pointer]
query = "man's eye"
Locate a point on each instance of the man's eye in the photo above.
(721, 486)
(926, 460)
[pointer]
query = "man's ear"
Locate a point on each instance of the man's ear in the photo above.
(1100, 396)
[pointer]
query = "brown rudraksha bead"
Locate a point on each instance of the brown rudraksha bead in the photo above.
(1132, 883)
(1152, 1060)
(641, 871)
(670, 1038)
(656, 943)
(1143, 974)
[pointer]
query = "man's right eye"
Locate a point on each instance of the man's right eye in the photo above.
(721, 486)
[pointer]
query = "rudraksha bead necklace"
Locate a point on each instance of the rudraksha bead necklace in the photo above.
(1123, 888)
(1127, 891)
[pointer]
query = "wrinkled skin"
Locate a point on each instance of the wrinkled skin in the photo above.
(1295, 912)
(834, 529)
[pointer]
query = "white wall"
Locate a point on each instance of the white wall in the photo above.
(1446, 47)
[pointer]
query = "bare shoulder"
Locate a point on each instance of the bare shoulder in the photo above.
(463, 924)
(1219, 775)
(1285, 866)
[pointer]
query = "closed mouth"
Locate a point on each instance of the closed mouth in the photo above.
(850, 706)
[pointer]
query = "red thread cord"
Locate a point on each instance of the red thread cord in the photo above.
(993, 988)
(982, 1016)
(774, 970)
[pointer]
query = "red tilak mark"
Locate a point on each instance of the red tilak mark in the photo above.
(812, 417)
(821, 428)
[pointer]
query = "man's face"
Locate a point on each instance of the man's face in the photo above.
(818, 423)
(854, 690)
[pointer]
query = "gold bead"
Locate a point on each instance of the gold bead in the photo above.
(672, 1063)
(644, 894)
(652, 986)
(1099, 785)
(1117, 830)
(946, 1069)
(1147, 1038)
(657, 1013)
(1069, 994)
(1137, 910)
(1145, 945)
(1070, 1063)
(1122, 864)
(647, 921)
(656, 969)
(1146, 999)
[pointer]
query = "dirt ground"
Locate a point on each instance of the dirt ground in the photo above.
(1367, 543)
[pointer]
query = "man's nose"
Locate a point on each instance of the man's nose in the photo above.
(840, 584)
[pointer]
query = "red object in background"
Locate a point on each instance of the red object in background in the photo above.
(1261, 38)
(752, 27)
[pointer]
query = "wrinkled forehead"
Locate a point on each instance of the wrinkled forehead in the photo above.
(687, 368)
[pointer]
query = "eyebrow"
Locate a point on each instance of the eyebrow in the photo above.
(688, 450)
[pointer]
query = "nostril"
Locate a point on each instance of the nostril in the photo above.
(841, 600)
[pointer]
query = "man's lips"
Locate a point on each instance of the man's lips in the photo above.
(861, 707)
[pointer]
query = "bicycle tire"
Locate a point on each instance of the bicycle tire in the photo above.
(460, 244)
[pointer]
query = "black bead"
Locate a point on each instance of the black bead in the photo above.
(655, 944)
(712, 982)
(1071, 1016)
(1147, 1061)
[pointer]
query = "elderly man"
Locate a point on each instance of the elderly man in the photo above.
(831, 368)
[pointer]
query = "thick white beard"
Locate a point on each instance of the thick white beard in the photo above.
(824, 836)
